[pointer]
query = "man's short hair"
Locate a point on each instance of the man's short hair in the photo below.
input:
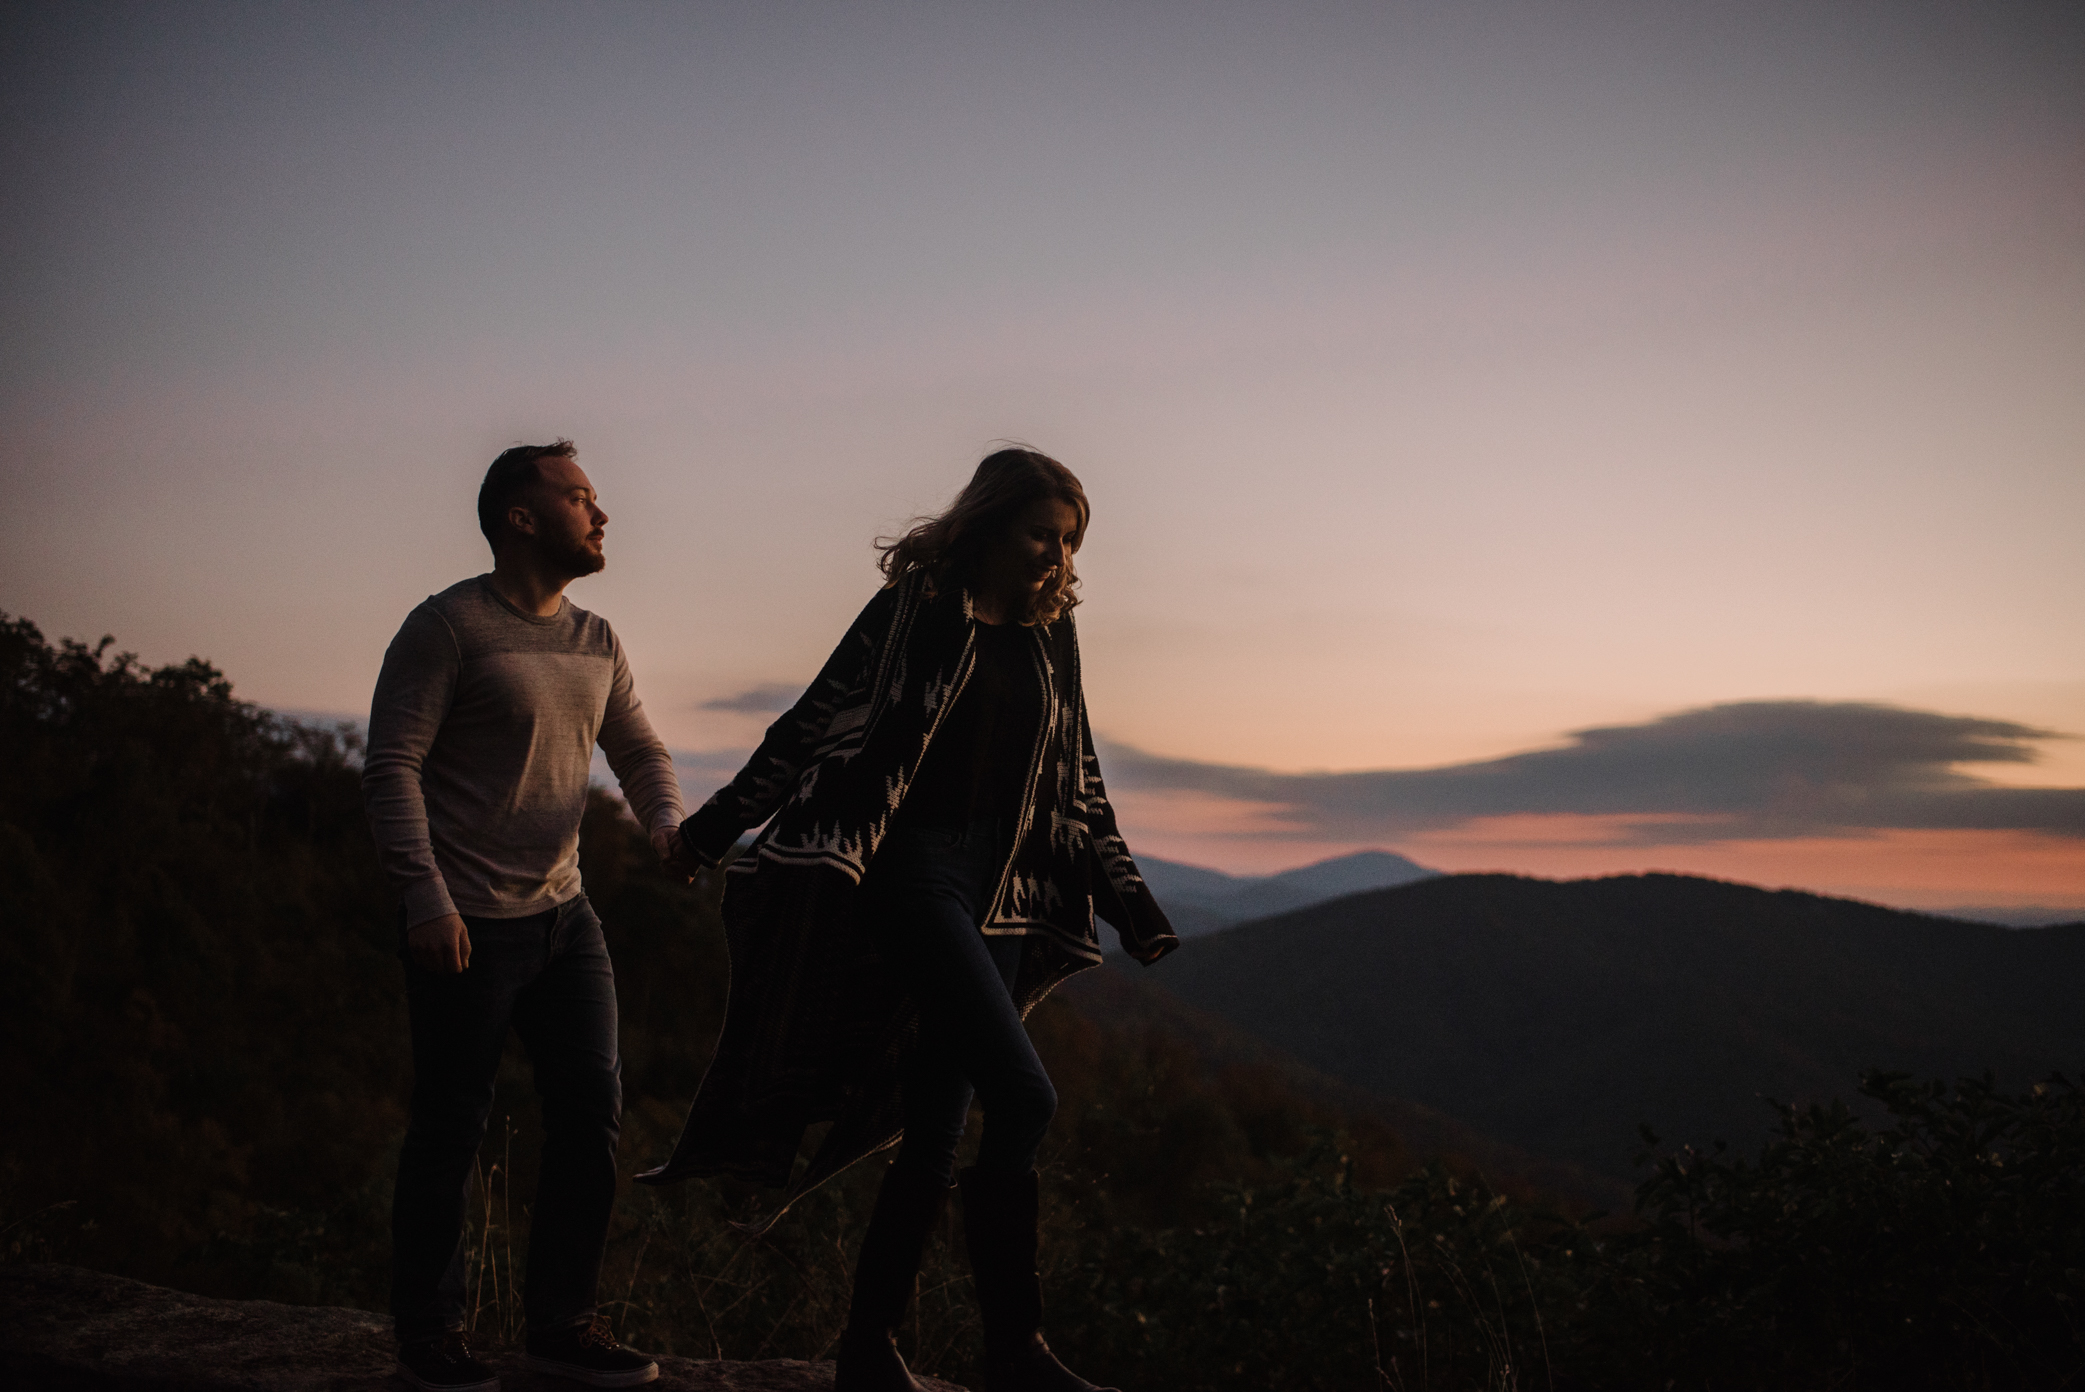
(510, 477)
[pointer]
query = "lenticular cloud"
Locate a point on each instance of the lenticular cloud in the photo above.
(1741, 770)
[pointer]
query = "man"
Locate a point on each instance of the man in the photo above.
(491, 699)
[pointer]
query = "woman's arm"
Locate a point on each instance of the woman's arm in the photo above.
(789, 745)
(1119, 893)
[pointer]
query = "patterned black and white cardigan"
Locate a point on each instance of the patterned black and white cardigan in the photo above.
(818, 1025)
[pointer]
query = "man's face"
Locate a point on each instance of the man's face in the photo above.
(567, 518)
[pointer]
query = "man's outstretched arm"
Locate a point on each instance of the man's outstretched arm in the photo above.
(642, 766)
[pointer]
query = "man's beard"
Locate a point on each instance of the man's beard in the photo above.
(576, 558)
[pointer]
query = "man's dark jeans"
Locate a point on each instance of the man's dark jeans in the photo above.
(548, 978)
(926, 893)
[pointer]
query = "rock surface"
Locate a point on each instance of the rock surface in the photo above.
(69, 1330)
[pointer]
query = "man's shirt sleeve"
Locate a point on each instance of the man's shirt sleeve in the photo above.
(635, 752)
(413, 693)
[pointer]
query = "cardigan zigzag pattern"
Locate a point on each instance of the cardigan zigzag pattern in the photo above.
(818, 1025)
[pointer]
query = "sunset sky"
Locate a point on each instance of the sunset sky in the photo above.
(1561, 438)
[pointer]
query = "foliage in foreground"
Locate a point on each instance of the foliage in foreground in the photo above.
(1943, 1249)
(203, 1029)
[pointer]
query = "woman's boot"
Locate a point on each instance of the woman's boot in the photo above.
(999, 1217)
(908, 1205)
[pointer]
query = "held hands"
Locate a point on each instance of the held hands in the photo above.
(673, 854)
(440, 944)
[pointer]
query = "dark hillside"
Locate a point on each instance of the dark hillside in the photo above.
(1559, 1016)
(1124, 997)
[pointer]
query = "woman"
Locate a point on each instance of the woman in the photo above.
(939, 842)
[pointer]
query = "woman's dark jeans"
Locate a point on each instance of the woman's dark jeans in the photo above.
(925, 895)
(547, 977)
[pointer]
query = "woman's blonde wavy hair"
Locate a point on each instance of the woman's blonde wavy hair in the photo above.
(949, 546)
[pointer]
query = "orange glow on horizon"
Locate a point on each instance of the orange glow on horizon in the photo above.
(1909, 869)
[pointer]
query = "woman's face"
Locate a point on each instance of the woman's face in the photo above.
(1031, 552)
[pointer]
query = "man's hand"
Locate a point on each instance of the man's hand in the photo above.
(673, 853)
(440, 944)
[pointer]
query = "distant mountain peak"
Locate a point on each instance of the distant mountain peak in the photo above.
(1200, 900)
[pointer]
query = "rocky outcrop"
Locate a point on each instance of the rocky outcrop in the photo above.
(69, 1330)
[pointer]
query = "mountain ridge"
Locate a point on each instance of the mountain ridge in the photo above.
(1556, 1016)
(1200, 900)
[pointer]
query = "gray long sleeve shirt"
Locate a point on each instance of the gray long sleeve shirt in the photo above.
(480, 736)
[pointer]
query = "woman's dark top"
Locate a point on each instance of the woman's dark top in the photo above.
(979, 761)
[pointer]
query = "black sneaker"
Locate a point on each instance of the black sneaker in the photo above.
(588, 1353)
(443, 1363)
